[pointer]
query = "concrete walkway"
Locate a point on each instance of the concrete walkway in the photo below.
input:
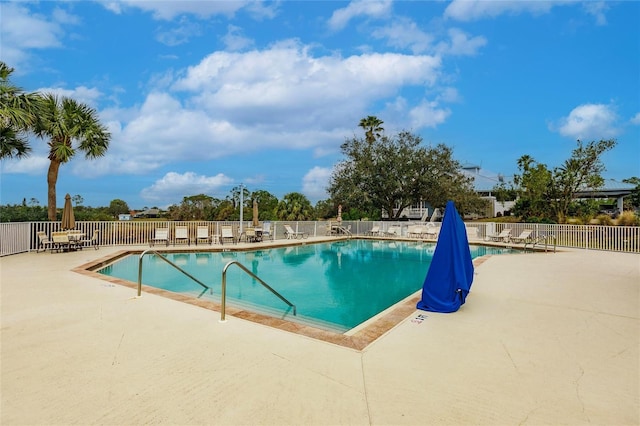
(543, 339)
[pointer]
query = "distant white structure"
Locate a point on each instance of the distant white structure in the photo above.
(124, 217)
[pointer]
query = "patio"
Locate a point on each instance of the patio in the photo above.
(544, 338)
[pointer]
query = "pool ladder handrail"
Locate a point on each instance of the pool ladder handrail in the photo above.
(223, 297)
(161, 256)
(541, 238)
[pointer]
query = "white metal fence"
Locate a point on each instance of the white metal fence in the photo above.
(20, 237)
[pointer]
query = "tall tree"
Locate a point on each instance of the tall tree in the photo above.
(118, 207)
(583, 170)
(393, 173)
(18, 112)
(267, 204)
(549, 194)
(372, 126)
(69, 126)
(294, 206)
(533, 184)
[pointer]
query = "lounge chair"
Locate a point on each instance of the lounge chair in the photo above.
(60, 241)
(93, 241)
(182, 235)
(523, 237)
(430, 231)
(266, 231)
(226, 233)
(415, 231)
(291, 234)
(375, 231)
(44, 242)
(202, 235)
(503, 236)
(393, 231)
(161, 236)
(250, 235)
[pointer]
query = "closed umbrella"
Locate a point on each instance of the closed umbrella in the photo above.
(68, 218)
(256, 222)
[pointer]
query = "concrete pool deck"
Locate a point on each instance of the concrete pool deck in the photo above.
(544, 338)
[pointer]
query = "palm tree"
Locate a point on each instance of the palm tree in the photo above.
(294, 206)
(372, 126)
(64, 122)
(18, 112)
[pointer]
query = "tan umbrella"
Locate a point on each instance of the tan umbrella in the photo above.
(256, 222)
(68, 218)
(339, 212)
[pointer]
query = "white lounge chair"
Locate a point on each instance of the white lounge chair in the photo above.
(266, 231)
(202, 235)
(291, 234)
(226, 233)
(503, 236)
(182, 235)
(161, 236)
(60, 241)
(44, 242)
(523, 237)
(375, 231)
(93, 241)
(393, 231)
(430, 231)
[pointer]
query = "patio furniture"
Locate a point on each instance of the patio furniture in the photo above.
(161, 236)
(202, 235)
(44, 242)
(503, 236)
(226, 233)
(93, 241)
(393, 231)
(182, 235)
(266, 232)
(291, 234)
(60, 241)
(375, 231)
(523, 237)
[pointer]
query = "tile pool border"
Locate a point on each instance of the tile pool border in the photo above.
(363, 336)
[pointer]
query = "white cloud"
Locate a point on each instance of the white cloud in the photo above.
(235, 41)
(460, 44)
(589, 121)
(167, 10)
(473, 10)
(22, 31)
(179, 34)
(635, 120)
(405, 34)
(373, 9)
(172, 187)
(315, 182)
(597, 10)
(86, 95)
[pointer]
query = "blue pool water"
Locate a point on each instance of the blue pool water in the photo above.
(334, 285)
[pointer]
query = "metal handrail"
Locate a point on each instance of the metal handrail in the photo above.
(223, 296)
(206, 287)
(544, 238)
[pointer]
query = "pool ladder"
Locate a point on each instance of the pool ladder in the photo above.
(206, 287)
(151, 251)
(540, 239)
(255, 277)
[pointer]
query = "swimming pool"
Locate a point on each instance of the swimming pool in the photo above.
(335, 285)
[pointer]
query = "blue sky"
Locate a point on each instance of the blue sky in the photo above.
(202, 96)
